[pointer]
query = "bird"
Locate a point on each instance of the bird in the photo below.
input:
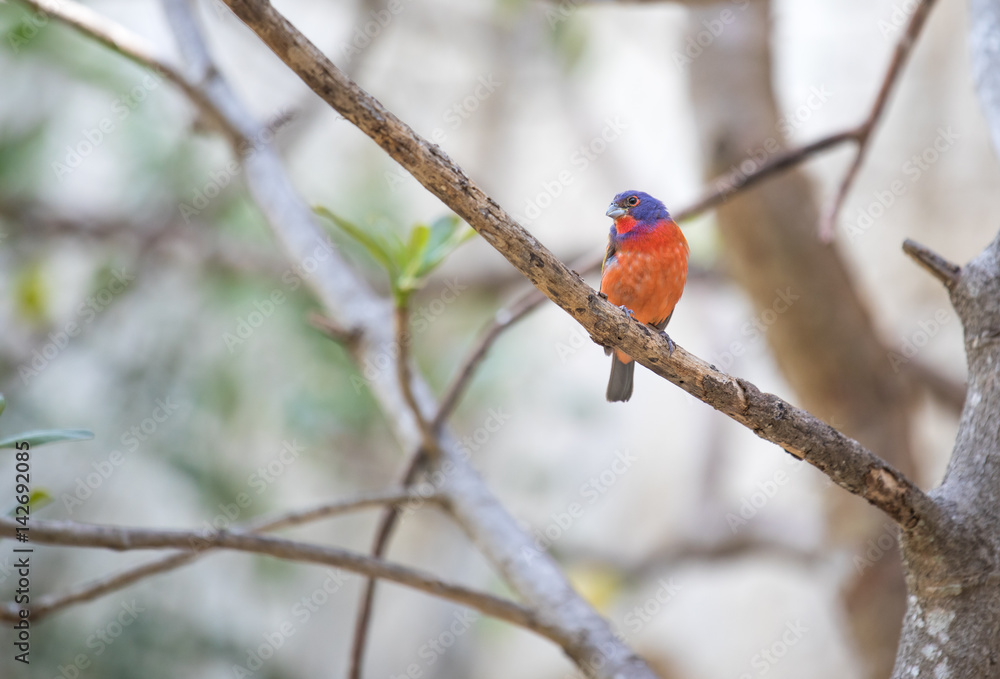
(644, 272)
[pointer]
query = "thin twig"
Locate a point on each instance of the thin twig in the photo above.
(72, 534)
(126, 43)
(507, 316)
(725, 187)
(348, 337)
(736, 181)
(843, 459)
(401, 317)
(585, 635)
(938, 266)
(380, 544)
(88, 591)
(863, 133)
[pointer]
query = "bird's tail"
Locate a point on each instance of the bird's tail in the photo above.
(620, 382)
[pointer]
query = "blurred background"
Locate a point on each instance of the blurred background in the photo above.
(135, 277)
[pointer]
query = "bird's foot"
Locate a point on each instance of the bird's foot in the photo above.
(627, 310)
(670, 343)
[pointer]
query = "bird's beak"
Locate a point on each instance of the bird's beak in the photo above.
(615, 211)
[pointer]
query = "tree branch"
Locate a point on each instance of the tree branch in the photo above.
(504, 318)
(119, 538)
(938, 266)
(587, 637)
(131, 46)
(45, 606)
(380, 544)
(844, 460)
(863, 133)
(401, 317)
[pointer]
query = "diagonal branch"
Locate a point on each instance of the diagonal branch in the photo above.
(863, 133)
(586, 638)
(350, 303)
(401, 318)
(936, 265)
(844, 460)
(47, 605)
(74, 534)
(380, 543)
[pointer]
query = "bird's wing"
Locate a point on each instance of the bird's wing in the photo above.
(663, 324)
(612, 249)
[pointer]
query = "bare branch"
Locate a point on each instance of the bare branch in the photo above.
(401, 316)
(863, 134)
(938, 266)
(45, 606)
(736, 181)
(346, 336)
(585, 636)
(386, 525)
(844, 460)
(73, 534)
(504, 318)
(131, 46)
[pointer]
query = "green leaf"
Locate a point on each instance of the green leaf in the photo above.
(38, 498)
(446, 235)
(376, 247)
(410, 278)
(3, 404)
(46, 436)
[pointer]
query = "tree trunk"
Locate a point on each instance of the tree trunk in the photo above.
(952, 623)
(825, 343)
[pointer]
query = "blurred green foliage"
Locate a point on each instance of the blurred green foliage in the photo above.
(408, 263)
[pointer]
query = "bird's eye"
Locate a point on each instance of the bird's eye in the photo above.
(632, 201)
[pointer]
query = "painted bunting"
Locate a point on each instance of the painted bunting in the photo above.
(644, 272)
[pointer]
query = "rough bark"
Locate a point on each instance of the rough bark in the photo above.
(952, 623)
(825, 343)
